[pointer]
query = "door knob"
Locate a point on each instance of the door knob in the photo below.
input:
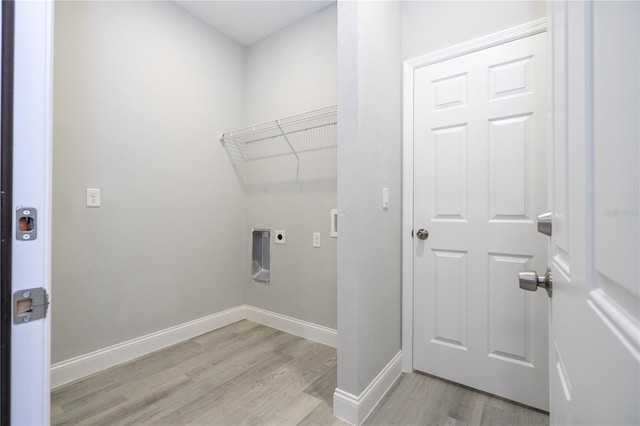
(530, 281)
(423, 234)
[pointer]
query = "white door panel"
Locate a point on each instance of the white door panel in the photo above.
(595, 252)
(479, 182)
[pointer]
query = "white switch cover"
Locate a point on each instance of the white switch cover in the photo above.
(316, 239)
(385, 198)
(93, 197)
(279, 237)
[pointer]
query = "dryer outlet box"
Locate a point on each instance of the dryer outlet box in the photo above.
(279, 237)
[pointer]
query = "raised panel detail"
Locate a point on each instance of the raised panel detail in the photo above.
(509, 186)
(450, 298)
(450, 92)
(450, 168)
(510, 78)
(509, 312)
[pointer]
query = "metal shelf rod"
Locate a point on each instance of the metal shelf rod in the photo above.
(285, 133)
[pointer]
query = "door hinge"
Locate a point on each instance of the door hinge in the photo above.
(30, 305)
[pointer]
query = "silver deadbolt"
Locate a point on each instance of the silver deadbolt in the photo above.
(544, 223)
(422, 234)
(530, 281)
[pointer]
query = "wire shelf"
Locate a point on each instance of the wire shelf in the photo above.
(292, 136)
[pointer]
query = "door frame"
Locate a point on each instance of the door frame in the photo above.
(32, 187)
(409, 67)
(6, 215)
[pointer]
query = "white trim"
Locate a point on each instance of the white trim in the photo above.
(407, 221)
(623, 327)
(410, 65)
(93, 362)
(308, 330)
(31, 262)
(84, 365)
(505, 36)
(355, 409)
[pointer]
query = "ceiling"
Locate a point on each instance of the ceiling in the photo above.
(248, 22)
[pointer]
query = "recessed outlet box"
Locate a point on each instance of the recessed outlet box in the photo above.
(279, 237)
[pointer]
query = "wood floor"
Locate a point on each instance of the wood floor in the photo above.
(244, 373)
(418, 399)
(250, 374)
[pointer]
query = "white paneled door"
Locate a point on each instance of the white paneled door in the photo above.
(479, 182)
(595, 199)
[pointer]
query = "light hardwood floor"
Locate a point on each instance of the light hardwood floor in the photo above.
(247, 373)
(419, 399)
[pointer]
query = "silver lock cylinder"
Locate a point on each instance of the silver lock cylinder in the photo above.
(422, 234)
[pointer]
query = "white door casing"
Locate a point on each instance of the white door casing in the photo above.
(594, 195)
(30, 351)
(479, 129)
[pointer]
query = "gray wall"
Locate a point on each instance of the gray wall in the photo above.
(428, 26)
(289, 73)
(369, 157)
(294, 70)
(141, 90)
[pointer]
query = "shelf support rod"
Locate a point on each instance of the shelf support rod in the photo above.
(293, 151)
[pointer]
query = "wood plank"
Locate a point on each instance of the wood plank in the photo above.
(137, 405)
(422, 399)
(291, 414)
(271, 392)
(324, 387)
(206, 395)
(322, 415)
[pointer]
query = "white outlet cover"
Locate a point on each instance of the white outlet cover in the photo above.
(93, 197)
(279, 237)
(316, 239)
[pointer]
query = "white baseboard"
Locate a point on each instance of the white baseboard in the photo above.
(84, 365)
(355, 409)
(76, 368)
(308, 330)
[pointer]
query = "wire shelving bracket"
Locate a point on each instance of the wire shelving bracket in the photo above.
(290, 136)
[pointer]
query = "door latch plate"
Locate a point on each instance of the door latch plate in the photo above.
(30, 305)
(26, 224)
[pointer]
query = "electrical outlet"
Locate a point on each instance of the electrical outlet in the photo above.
(316, 239)
(93, 197)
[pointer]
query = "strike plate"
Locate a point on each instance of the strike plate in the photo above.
(30, 305)
(26, 224)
